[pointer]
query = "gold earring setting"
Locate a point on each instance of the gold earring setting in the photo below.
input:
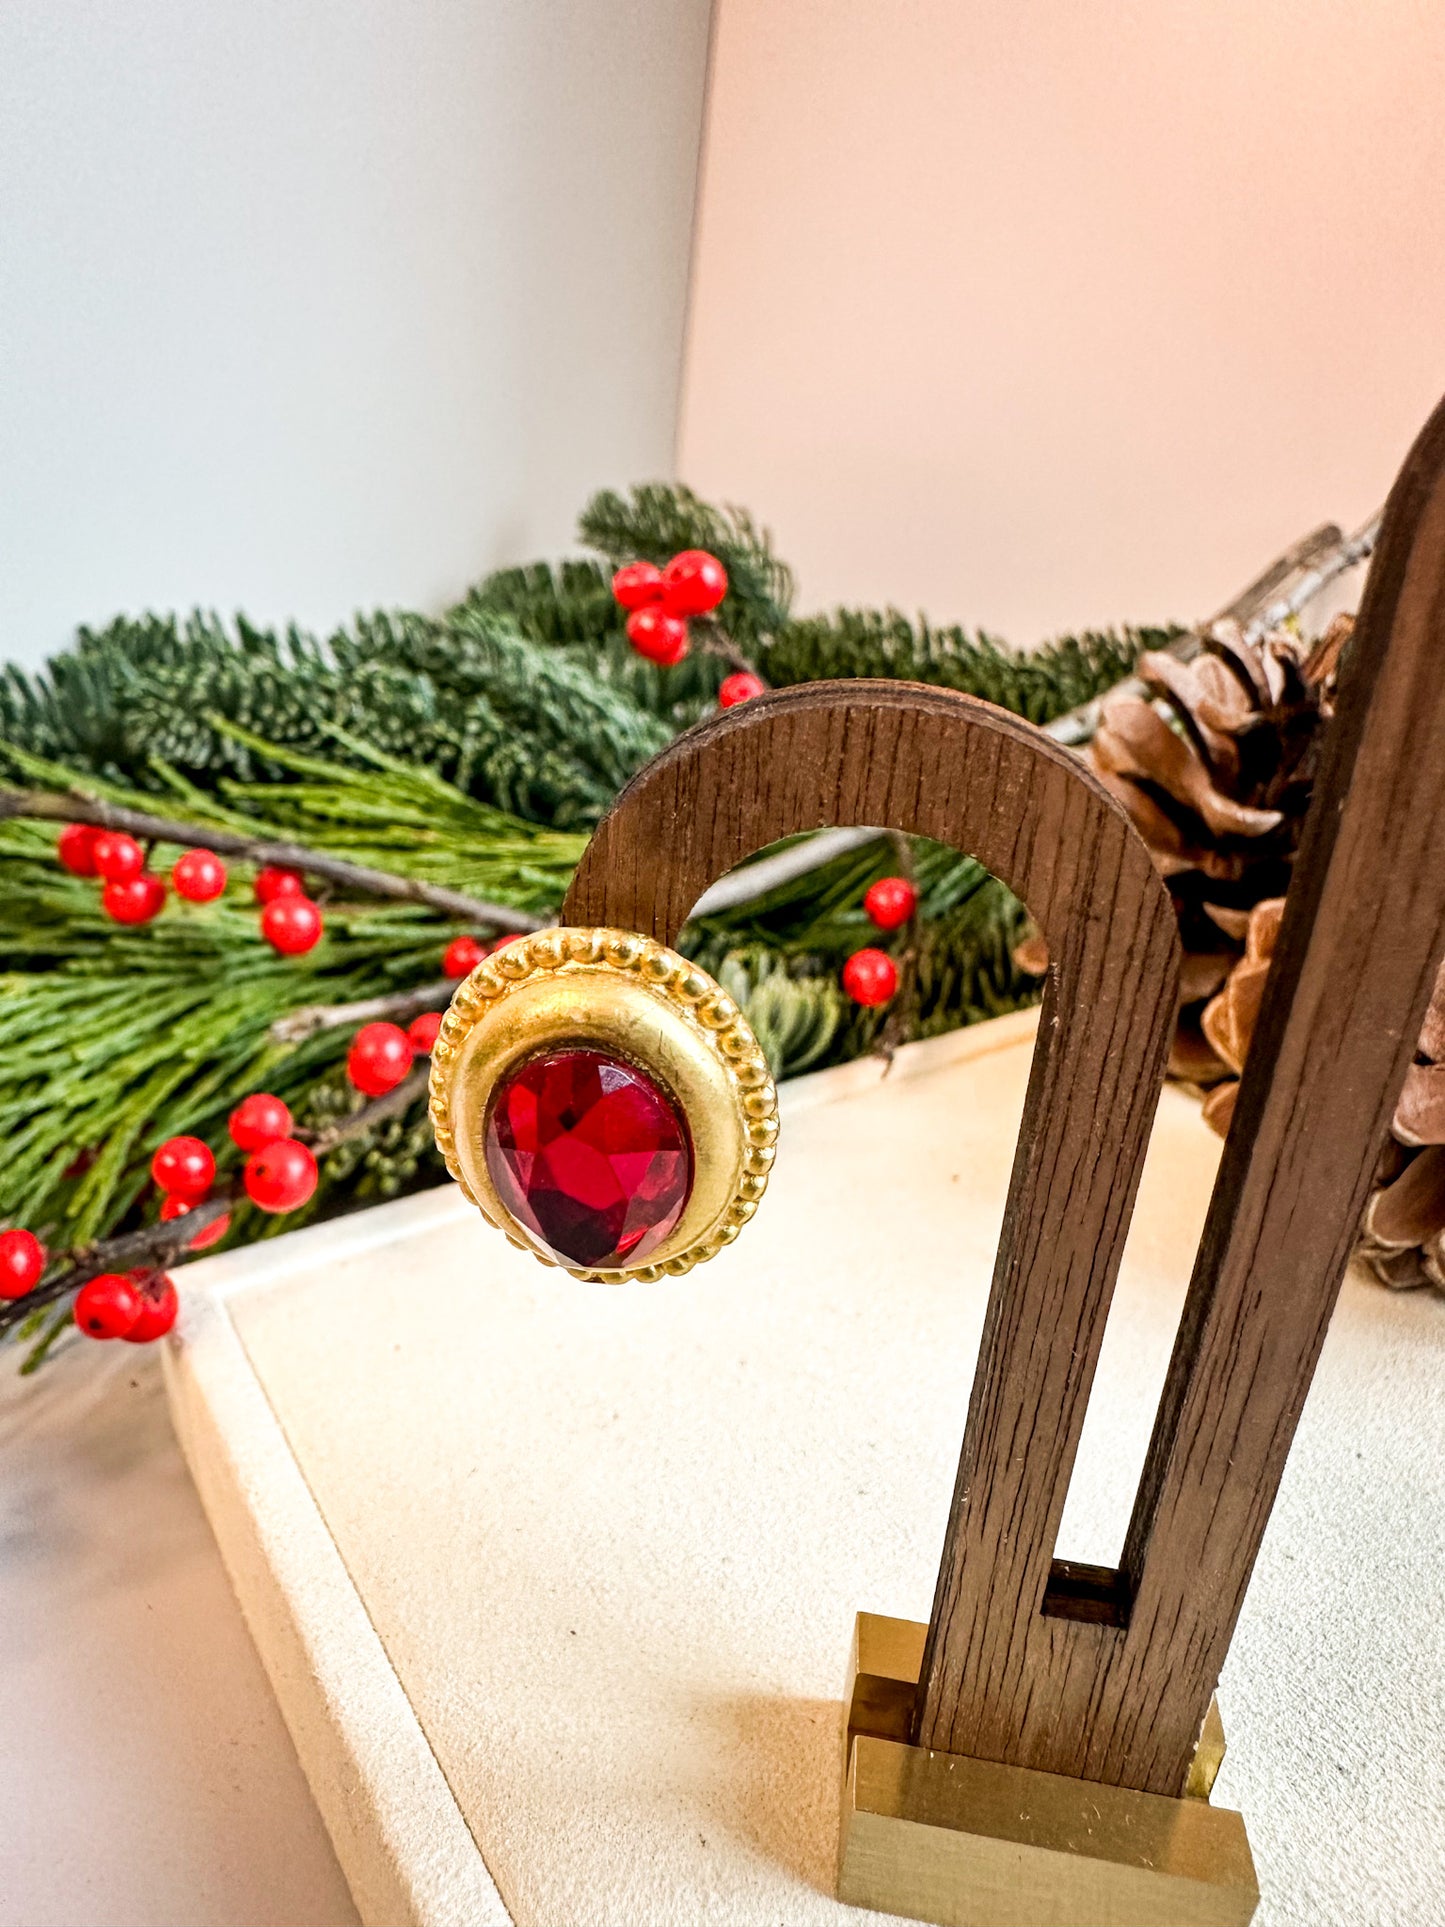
(604, 1102)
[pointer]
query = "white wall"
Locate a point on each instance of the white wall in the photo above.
(307, 305)
(1063, 311)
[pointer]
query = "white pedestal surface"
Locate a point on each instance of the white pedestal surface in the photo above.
(555, 1582)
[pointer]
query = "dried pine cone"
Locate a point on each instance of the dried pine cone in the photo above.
(1402, 1234)
(1215, 771)
(1220, 796)
(1228, 1019)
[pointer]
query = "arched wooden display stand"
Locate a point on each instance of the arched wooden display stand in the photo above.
(1031, 1758)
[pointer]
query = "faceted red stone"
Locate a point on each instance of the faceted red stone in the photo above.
(590, 1156)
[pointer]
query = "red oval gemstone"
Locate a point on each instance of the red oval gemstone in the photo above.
(590, 1156)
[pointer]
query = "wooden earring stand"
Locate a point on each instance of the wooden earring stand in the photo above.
(1043, 1751)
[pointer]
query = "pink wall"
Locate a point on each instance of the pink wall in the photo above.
(1063, 311)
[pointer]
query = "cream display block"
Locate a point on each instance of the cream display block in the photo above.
(556, 1582)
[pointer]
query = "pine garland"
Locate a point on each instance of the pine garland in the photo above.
(472, 752)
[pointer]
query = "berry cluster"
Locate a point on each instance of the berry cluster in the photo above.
(381, 1054)
(138, 1305)
(130, 893)
(870, 976)
(660, 603)
(280, 1172)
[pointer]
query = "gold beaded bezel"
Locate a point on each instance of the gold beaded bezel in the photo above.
(615, 990)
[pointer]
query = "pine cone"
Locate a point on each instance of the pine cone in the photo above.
(1228, 1019)
(1215, 771)
(1402, 1234)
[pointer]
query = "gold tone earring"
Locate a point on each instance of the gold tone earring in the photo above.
(604, 1103)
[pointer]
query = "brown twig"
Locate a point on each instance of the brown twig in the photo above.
(898, 1025)
(168, 1244)
(717, 642)
(398, 1005)
(52, 807)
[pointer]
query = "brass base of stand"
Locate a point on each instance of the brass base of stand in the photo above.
(969, 1843)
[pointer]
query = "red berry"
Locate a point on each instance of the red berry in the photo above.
(379, 1058)
(740, 687)
(199, 876)
(107, 1306)
(462, 955)
(158, 1305)
(658, 636)
(870, 977)
(693, 583)
(890, 901)
(209, 1234)
(22, 1260)
(135, 900)
(273, 882)
(421, 1032)
(502, 942)
(117, 857)
(291, 925)
(637, 584)
(184, 1168)
(258, 1120)
(75, 846)
(281, 1177)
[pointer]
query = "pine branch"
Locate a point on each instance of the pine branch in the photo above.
(566, 604)
(571, 608)
(42, 806)
(505, 718)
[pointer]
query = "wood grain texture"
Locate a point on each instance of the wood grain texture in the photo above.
(946, 766)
